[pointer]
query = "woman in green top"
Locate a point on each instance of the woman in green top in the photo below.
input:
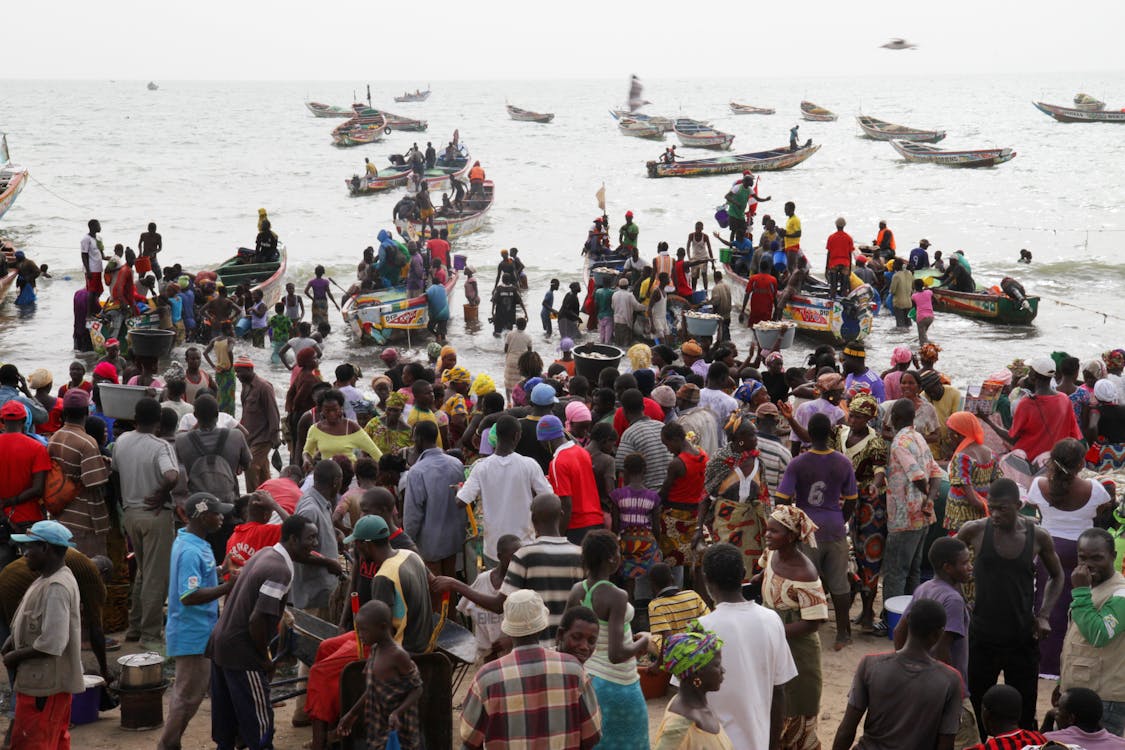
(333, 435)
(390, 432)
(613, 666)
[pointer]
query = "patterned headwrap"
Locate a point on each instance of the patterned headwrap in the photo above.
(1114, 358)
(797, 521)
(687, 653)
(456, 375)
(482, 384)
(929, 352)
(1020, 370)
(640, 356)
(829, 381)
(380, 380)
(774, 355)
(447, 349)
(1095, 368)
(745, 392)
(863, 405)
(396, 401)
(433, 351)
(692, 348)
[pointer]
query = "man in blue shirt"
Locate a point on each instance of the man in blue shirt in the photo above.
(919, 258)
(437, 301)
(193, 610)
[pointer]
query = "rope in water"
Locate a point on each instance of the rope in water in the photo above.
(1105, 316)
(52, 192)
(1056, 230)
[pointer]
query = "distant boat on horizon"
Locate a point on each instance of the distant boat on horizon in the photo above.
(152, 86)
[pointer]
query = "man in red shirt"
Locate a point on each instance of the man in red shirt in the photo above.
(23, 473)
(761, 293)
(1042, 418)
(257, 533)
(571, 475)
(439, 247)
(838, 268)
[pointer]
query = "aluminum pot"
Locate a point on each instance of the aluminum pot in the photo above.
(141, 670)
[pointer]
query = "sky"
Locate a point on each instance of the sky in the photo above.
(401, 40)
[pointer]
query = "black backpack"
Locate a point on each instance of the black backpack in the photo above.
(211, 472)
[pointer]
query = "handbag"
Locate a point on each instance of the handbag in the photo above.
(59, 490)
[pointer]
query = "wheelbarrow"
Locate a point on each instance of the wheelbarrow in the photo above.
(301, 635)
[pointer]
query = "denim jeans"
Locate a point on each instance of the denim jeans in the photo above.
(1113, 717)
(902, 562)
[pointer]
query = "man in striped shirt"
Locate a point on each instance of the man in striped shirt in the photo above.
(77, 454)
(1000, 708)
(671, 610)
(642, 436)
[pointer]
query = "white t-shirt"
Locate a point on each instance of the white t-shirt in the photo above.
(93, 254)
(506, 486)
(756, 658)
(188, 422)
(486, 624)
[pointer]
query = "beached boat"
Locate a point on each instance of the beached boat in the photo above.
(746, 109)
(376, 317)
(810, 111)
(360, 130)
(988, 305)
(920, 152)
(696, 134)
(1072, 114)
(328, 110)
(460, 223)
(759, 161)
(267, 278)
(664, 123)
(881, 130)
(397, 175)
(843, 319)
(638, 129)
(394, 122)
(417, 96)
(526, 115)
(13, 178)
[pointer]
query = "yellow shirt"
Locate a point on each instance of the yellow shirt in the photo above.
(439, 418)
(792, 227)
(328, 446)
(645, 289)
(372, 171)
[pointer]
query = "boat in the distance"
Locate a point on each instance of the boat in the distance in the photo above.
(13, 178)
(394, 122)
(991, 305)
(1073, 114)
(812, 112)
(664, 123)
(696, 134)
(360, 130)
(637, 129)
(320, 109)
(152, 86)
(926, 154)
(759, 161)
(881, 130)
(526, 115)
(398, 175)
(378, 316)
(1088, 103)
(460, 223)
(746, 109)
(417, 96)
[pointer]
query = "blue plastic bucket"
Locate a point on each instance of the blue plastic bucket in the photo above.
(895, 606)
(84, 706)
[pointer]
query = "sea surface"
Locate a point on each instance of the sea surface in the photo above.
(199, 159)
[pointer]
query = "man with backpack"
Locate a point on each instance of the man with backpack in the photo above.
(211, 459)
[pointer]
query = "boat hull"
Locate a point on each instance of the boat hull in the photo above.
(1071, 114)
(762, 161)
(327, 110)
(720, 142)
(437, 180)
(982, 305)
(457, 226)
(746, 109)
(813, 113)
(878, 130)
(974, 158)
(637, 129)
(664, 123)
(377, 317)
(524, 115)
(16, 184)
(409, 98)
(6, 284)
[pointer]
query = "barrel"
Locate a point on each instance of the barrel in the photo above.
(470, 313)
(591, 367)
(895, 606)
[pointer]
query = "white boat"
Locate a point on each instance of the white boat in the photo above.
(746, 109)
(921, 152)
(470, 220)
(664, 123)
(696, 134)
(526, 115)
(638, 129)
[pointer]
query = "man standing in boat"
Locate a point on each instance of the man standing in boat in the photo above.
(476, 181)
(884, 241)
(431, 155)
(627, 234)
(793, 137)
(700, 246)
(838, 267)
(791, 235)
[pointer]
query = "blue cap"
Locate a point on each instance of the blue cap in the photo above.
(549, 428)
(51, 532)
(530, 383)
(544, 395)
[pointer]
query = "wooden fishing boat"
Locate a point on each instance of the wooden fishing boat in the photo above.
(394, 122)
(638, 129)
(459, 224)
(267, 278)
(1072, 114)
(920, 152)
(881, 130)
(152, 86)
(664, 123)
(9, 278)
(526, 115)
(696, 134)
(760, 161)
(810, 111)
(1088, 103)
(816, 315)
(437, 179)
(376, 317)
(988, 305)
(327, 110)
(417, 96)
(746, 109)
(369, 127)
(13, 178)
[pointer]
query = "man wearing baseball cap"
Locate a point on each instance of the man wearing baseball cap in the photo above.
(560, 709)
(571, 475)
(45, 648)
(1040, 420)
(193, 611)
(23, 473)
(79, 457)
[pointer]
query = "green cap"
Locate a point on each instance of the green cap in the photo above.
(369, 529)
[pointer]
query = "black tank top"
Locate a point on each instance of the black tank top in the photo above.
(1005, 590)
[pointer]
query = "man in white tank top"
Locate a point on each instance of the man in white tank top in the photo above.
(699, 247)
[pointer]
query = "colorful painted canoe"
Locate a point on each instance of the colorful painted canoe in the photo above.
(13, 178)
(664, 123)
(760, 161)
(637, 129)
(844, 319)
(328, 110)
(988, 305)
(466, 222)
(360, 130)
(377, 317)
(746, 109)
(881, 130)
(1073, 114)
(921, 152)
(417, 96)
(526, 115)
(394, 122)
(437, 179)
(810, 111)
(696, 134)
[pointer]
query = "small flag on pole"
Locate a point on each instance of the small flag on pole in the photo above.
(601, 197)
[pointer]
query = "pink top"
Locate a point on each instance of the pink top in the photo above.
(924, 301)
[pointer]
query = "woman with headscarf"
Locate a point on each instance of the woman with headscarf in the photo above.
(578, 422)
(867, 451)
(695, 659)
(1105, 429)
(298, 399)
(736, 488)
(971, 470)
(382, 386)
(1092, 372)
(900, 363)
(791, 587)
(530, 371)
(928, 356)
(750, 395)
(389, 430)
(447, 360)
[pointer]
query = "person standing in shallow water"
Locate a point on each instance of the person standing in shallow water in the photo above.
(319, 290)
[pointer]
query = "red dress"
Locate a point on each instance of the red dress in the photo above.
(762, 290)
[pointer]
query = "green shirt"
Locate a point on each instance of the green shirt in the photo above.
(603, 301)
(1098, 626)
(736, 204)
(280, 326)
(628, 235)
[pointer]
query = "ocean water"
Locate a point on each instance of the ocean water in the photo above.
(199, 159)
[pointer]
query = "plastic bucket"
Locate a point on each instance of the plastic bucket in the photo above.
(459, 262)
(590, 367)
(722, 218)
(470, 313)
(895, 606)
(724, 255)
(704, 327)
(84, 706)
(155, 342)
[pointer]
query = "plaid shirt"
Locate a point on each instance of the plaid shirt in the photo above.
(531, 699)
